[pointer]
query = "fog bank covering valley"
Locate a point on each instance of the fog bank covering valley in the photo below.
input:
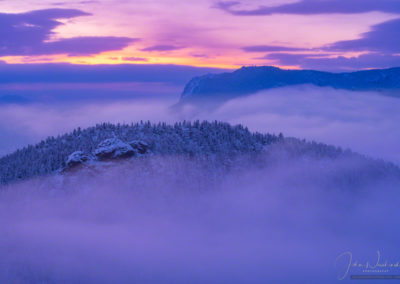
(365, 122)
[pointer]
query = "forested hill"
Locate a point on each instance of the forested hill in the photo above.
(248, 80)
(207, 140)
(197, 138)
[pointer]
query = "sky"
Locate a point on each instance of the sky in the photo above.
(65, 64)
(332, 35)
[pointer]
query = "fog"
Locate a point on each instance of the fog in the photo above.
(28, 124)
(178, 220)
(366, 122)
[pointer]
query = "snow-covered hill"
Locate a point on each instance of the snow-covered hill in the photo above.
(112, 141)
(215, 144)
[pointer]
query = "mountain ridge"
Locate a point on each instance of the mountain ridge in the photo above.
(248, 80)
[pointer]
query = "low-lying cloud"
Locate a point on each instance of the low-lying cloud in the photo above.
(23, 124)
(366, 122)
(173, 220)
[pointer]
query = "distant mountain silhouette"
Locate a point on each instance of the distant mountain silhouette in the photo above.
(248, 80)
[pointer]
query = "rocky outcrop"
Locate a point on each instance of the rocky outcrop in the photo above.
(140, 146)
(113, 148)
(75, 159)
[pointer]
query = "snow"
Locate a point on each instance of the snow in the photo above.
(140, 146)
(76, 158)
(200, 140)
(113, 148)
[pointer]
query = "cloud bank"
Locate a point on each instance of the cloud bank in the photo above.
(173, 220)
(366, 122)
(74, 73)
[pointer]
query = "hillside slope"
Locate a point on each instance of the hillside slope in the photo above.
(198, 138)
(216, 145)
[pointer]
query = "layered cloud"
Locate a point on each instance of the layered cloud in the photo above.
(310, 7)
(196, 34)
(162, 47)
(31, 33)
(131, 58)
(268, 48)
(380, 48)
(384, 37)
(335, 63)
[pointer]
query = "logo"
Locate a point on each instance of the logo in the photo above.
(378, 268)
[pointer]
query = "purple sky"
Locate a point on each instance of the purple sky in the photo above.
(327, 35)
(77, 53)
